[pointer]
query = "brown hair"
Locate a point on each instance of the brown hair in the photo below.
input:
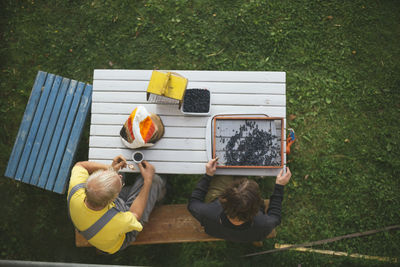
(242, 200)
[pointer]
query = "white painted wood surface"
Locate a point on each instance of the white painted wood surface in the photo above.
(182, 150)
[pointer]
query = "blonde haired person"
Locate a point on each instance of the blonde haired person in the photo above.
(107, 213)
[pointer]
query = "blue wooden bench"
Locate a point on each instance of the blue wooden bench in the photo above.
(49, 133)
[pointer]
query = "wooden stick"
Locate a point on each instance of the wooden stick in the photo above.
(324, 241)
(339, 253)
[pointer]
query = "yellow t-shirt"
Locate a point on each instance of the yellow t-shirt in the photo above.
(111, 237)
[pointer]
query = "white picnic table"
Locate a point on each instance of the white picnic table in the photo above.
(183, 148)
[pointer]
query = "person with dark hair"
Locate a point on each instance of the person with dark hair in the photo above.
(237, 213)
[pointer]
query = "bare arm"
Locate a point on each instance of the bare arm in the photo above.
(147, 170)
(91, 166)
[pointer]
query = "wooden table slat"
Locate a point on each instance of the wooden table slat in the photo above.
(125, 108)
(173, 121)
(164, 143)
(220, 87)
(171, 132)
(203, 76)
(216, 99)
(168, 167)
(156, 155)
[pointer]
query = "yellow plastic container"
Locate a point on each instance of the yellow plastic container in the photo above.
(166, 87)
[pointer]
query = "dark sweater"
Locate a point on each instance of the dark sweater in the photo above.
(215, 222)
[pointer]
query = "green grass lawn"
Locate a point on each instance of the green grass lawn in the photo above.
(342, 63)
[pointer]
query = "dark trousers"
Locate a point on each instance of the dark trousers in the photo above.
(129, 193)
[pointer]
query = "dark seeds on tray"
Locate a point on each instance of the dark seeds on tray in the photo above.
(255, 148)
(196, 101)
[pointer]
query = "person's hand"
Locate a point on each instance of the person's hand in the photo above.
(118, 163)
(283, 179)
(147, 170)
(211, 167)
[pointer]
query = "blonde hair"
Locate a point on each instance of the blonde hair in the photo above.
(101, 188)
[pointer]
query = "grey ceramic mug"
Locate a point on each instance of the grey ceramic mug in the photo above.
(137, 157)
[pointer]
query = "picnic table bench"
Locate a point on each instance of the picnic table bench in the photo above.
(168, 224)
(49, 133)
(183, 148)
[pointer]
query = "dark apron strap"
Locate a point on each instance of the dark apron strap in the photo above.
(100, 223)
(73, 191)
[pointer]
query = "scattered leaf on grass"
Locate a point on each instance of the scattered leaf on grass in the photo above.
(292, 117)
(389, 147)
(306, 177)
(346, 140)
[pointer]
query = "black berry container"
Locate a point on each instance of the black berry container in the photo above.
(196, 102)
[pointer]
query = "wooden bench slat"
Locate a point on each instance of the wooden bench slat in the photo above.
(50, 131)
(64, 137)
(42, 129)
(55, 141)
(168, 224)
(73, 141)
(25, 124)
(34, 127)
